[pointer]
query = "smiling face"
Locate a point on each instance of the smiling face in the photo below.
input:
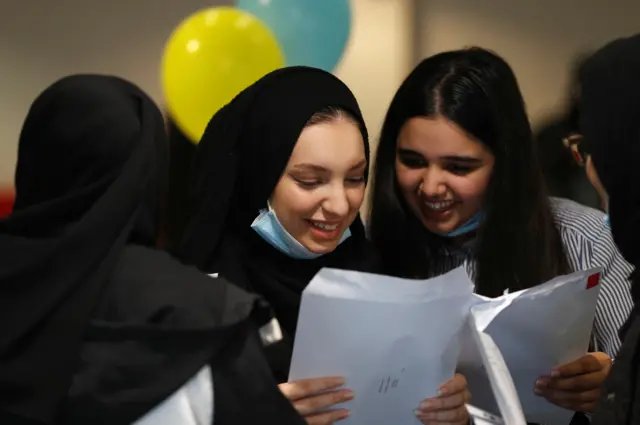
(443, 172)
(322, 188)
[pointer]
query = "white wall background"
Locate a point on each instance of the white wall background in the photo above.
(379, 55)
(539, 38)
(41, 41)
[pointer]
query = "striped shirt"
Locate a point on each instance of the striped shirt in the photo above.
(588, 244)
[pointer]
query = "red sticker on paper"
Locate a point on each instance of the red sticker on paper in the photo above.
(593, 280)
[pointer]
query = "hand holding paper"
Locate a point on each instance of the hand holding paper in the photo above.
(395, 341)
(536, 330)
(310, 397)
(450, 405)
(576, 385)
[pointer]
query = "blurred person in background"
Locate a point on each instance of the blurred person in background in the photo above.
(610, 123)
(565, 178)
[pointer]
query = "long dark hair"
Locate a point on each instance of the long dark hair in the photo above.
(518, 245)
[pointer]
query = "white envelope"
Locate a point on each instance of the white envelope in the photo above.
(536, 330)
(394, 340)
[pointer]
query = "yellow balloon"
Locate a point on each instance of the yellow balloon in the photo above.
(211, 57)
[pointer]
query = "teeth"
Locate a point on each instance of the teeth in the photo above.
(439, 206)
(325, 226)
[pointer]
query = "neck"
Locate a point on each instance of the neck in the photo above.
(461, 240)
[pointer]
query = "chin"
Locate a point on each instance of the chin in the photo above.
(439, 230)
(318, 248)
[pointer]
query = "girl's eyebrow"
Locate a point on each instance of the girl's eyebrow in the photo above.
(309, 167)
(463, 159)
(469, 160)
(359, 165)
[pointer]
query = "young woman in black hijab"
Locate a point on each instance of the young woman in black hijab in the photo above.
(281, 177)
(609, 112)
(96, 326)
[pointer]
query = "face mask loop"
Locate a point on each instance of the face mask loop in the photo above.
(269, 228)
(470, 226)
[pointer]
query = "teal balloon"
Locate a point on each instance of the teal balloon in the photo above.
(310, 32)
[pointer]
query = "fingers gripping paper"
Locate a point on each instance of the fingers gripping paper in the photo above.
(394, 340)
(535, 330)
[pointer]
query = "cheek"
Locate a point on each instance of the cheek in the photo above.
(289, 202)
(471, 187)
(408, 180)
(293, 203)
(355, 197)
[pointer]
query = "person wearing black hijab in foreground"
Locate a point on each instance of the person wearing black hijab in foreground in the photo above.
(96, 326)
(610, 112)
(281, 174)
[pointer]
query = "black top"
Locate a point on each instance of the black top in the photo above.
(156, 326)
(609, 111)
(281, 280)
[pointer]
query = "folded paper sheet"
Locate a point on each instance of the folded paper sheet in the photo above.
(500, 380)
(394, 340)
(536, 330)
(482, 417)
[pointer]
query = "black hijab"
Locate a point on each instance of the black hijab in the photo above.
(610, 123)
(86, 151)
(95, 325)
(240, 159)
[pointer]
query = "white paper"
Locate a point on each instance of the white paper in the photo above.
(192, 404)
(396, 341)
(536, 330)
(500, 379)
(482, 417)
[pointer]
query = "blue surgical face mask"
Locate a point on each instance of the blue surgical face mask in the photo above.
(271, 230)
(470, 226)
